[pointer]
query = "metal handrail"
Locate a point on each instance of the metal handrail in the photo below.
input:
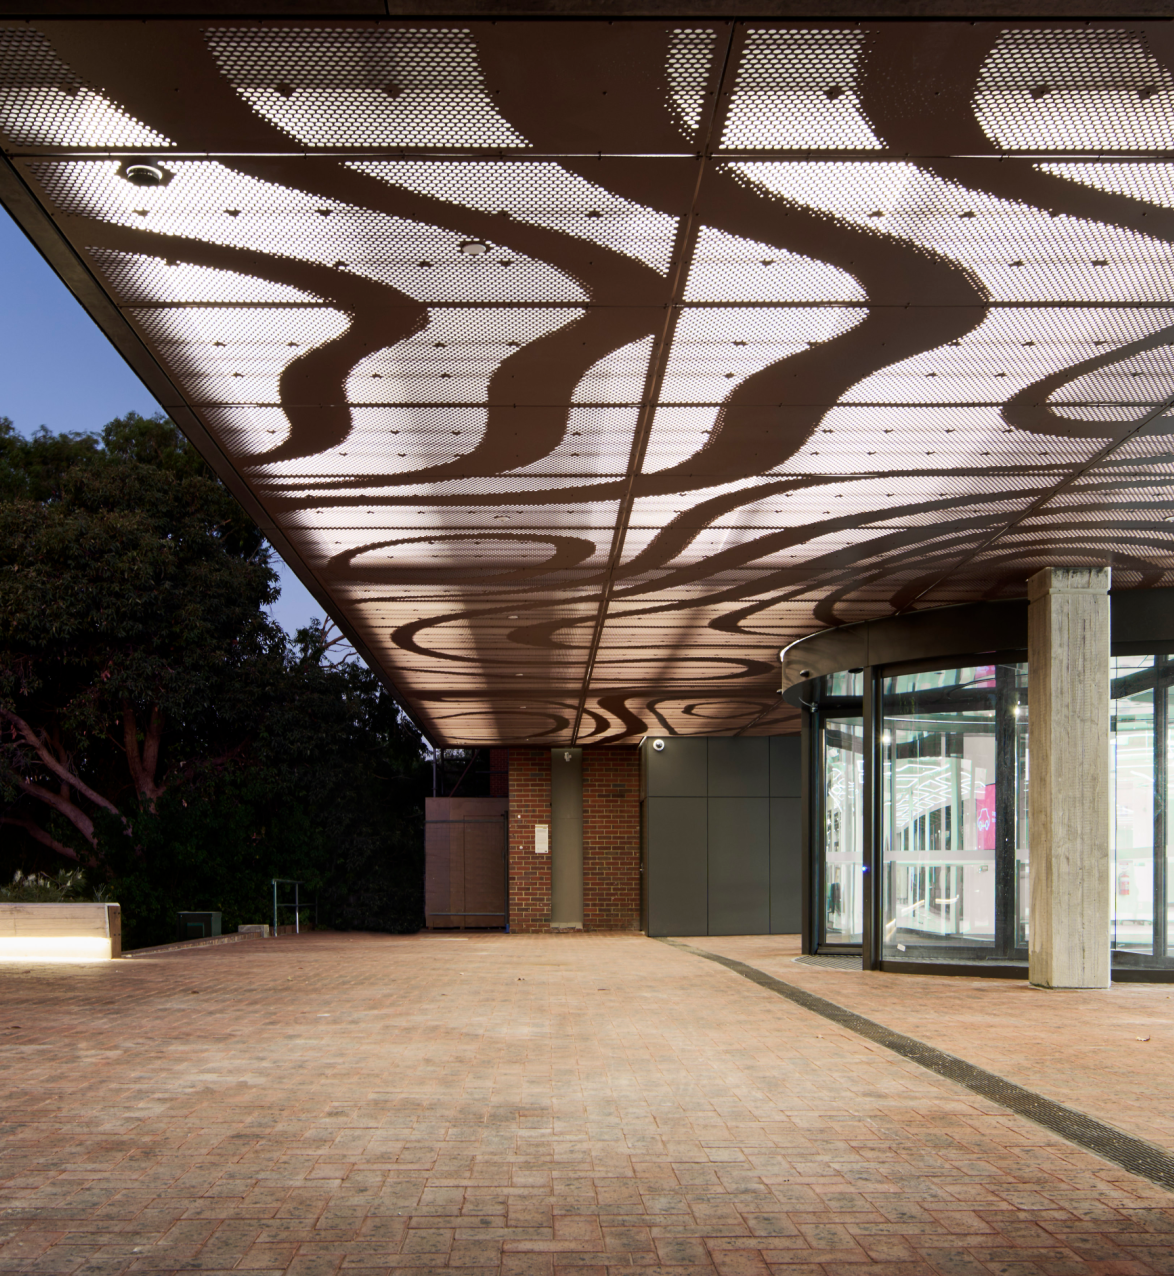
(286, 881)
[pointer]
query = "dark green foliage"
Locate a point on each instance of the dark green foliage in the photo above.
(131, 595)
(157, 728)
(66, 886)
(342, 749)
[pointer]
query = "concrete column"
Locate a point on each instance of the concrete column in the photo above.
(1068, 789)
(566, 850)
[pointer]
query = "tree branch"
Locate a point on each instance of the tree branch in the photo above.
(35, 831)
(130, 741)
(151, 743)
(74, 814)
(143, 762)
(62, 772)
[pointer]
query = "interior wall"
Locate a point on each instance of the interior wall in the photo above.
(721, 831)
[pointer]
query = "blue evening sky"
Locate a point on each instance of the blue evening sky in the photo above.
(58, 370)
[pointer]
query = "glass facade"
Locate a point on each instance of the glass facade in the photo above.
(953, 817)
(843, 806)
(948, 776)
(1140, 767)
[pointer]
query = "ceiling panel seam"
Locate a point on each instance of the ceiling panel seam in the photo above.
(682, 255)
(1034, 508)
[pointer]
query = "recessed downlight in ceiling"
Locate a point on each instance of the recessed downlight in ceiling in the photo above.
(145, 173)
(638, 362)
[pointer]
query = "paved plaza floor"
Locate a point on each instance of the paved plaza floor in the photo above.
(527, 1105)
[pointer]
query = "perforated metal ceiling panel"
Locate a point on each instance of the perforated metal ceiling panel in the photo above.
(580, 367)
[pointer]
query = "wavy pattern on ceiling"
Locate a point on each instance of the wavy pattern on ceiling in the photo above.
(588, 364)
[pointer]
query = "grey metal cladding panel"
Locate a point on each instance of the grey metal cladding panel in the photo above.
(739, 767)
(949, 631)
(786, 866)
(1141, 615)
(679, 770)
(566, 837)
(675, 865)
(784, 766)
(739, 866)
(937, 631)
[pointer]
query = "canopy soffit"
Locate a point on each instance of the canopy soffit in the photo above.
(580, 366)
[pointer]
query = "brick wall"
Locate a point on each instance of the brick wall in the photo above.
(529, 779)
(611, 839)
(499, 767)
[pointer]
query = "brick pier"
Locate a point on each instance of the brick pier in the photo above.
(611, 839)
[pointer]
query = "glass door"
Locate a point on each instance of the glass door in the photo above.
(1139, 771)
(841, 876)
(953, 818)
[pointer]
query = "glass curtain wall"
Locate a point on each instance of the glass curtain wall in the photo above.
(953, 818)
(951, 840)
(841, 800)
(1139, 752)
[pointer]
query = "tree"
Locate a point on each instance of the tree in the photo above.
(157, 728)
(330, 792)
(131, 591)
(340, 751)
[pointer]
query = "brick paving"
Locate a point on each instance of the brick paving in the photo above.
(1110, 1054)
(523, 1105)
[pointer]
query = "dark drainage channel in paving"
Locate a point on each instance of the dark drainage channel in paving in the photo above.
(1135, 1155)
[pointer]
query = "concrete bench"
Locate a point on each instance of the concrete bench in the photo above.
(60, 932)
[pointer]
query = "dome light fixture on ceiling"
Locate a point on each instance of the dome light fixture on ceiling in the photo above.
(474, 248)
(145, 173)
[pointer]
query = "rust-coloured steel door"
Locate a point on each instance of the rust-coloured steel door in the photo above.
(465, 880)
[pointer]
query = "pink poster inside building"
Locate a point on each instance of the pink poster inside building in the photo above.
(985, 813)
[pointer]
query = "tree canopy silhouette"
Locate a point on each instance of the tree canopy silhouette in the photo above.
(158, 727)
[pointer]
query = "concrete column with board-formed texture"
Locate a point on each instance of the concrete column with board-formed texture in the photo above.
(1068, 790)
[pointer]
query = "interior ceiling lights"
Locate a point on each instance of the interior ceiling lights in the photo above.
(616, 356)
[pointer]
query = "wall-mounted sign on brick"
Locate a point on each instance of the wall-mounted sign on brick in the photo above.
(541, 839)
